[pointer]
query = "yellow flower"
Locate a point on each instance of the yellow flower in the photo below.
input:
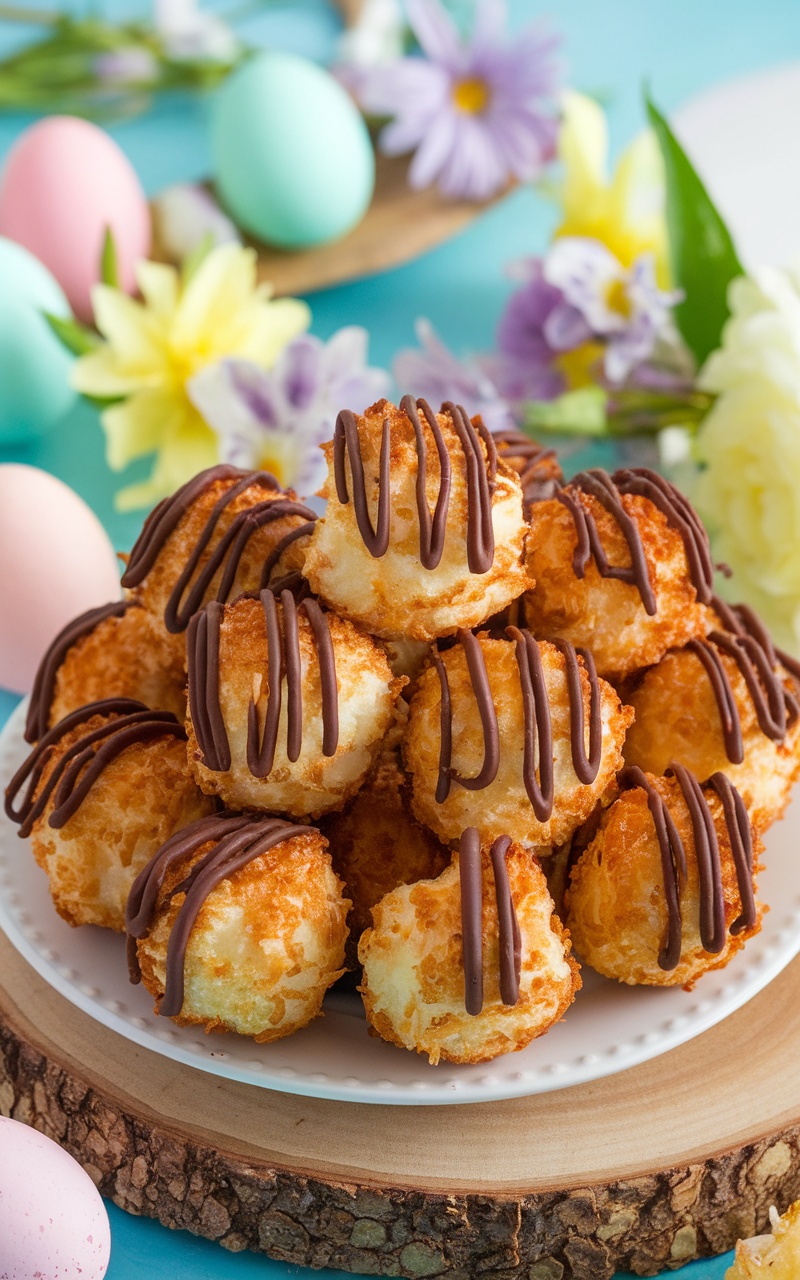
(153, 347)
(625, 212)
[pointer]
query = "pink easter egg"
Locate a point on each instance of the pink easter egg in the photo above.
(65, 181)
(53, 1222)
(55, 562)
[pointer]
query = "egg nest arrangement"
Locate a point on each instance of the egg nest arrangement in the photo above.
(468, 719)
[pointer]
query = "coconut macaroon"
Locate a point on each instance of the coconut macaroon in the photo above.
(775, 1255)
(288, 704)
(424, 531)
(666, 890)
(119, 650)
(538, 468)
(224, 532)
(622, 565)
(472, 964)
(512, 735)
(238, 924)
(377, 844)
(726, 703)
(99, 794)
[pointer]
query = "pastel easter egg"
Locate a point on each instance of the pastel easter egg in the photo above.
(65, 181)
(293, 161)
(52, 1219)
(55, 562)
(34, 365)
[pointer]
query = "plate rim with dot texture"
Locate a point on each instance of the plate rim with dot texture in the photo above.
(608, 1029)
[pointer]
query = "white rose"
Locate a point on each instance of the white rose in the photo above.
(749, 492)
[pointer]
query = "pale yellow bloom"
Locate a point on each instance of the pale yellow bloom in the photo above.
(625, 211)
(749, 446)
(154, 346)
(775, 1256)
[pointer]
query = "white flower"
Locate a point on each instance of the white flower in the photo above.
(749, 443)
(276, 420)
(376, 37)
(603, 299)
(186, 217)
(189, 35)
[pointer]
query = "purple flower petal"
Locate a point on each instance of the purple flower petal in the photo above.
(253, 387)
(435, 31)
(299, 370)
(434, 150)
(566, 328)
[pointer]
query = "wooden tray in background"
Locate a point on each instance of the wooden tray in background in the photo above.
(399, 225)
(643, 1170)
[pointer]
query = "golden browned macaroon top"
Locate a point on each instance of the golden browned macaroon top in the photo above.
(224, 532)
(665, 891)
(238, 923)
(622, 566)
(512, 734)
(472, 964)
(424, 529)
(288, 704)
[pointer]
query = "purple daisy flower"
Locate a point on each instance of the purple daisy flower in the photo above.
(524, 368)
(434, 373)
(477, 114)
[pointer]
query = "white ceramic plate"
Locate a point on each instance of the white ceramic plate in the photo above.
(609, 1027)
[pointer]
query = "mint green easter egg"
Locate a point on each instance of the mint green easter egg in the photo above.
(34, 366)
(293, 161)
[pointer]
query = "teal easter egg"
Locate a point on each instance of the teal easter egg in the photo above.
(34, 366)
(292, 156)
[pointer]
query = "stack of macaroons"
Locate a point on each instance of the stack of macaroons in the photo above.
(372, 740)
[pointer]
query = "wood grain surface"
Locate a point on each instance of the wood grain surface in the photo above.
(643, 1170)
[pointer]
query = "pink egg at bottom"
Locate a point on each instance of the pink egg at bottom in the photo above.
(64, 182)
(55, 562)
(53, 1223)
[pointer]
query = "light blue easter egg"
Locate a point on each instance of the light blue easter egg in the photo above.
(34, 366)
(293, 160)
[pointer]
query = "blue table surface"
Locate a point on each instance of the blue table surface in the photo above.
(610, 49)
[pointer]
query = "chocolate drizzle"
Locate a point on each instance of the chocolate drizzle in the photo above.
(83, 762)
(284, 660)
(538, 734)
(510, 943)
(609, 491)
(746, 641)
(538, 468)
(237, 840)
(707, 854)
(45, 683)
(189, 593)
(481, 473)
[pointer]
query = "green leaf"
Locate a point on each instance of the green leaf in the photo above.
(702, 254)
(109, 270)
(75, 336)
(581, 412)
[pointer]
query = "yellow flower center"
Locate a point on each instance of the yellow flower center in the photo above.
(273, 463)
(471, 96)
(617, 298)
(578, 366)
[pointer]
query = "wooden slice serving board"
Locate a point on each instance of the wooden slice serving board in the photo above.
(399, 225)
(643, 1170)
